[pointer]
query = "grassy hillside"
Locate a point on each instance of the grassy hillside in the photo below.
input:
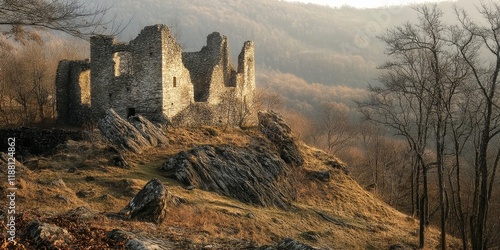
(337, 214)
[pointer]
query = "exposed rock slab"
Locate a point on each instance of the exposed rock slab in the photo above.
(139, 242)
(291, 244)
(82, 214)
(116, 158)
(323, 176)
(154, 135)
(137, 136)
(273, 126)
(150, 204)
(89, 193)
(253, 175)
(48, 235)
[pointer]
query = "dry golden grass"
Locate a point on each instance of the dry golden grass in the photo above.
(353, 218)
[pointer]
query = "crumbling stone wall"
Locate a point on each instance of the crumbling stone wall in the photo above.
(222, 95)
(128, 89)
(73, 92)
(178, 90)
(145, 76)
(210, 69)
(101, 73)
(151, 76)
(144, 94)
(245, 85)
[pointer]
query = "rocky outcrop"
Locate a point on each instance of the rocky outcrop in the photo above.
(136, 136)
(154, 135)
(119, 161)
(49, 236)
(253, 174)
(273, 126)
(336, 164)
(89, 193)
(323, 176)
(150, 204)
(116, 158)
(82, 214)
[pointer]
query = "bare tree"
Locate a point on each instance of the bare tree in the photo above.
(334, 127)
(418, 86)
(302, 126)
(423, 99)
(72, 16)
(19, 86)
(407, 112)
(384, 166)
(479, 47)
(27, 76)
(266, 99)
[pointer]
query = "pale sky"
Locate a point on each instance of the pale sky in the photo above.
(364, 3)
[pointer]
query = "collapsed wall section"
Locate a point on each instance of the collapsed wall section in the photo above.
(210, 69)
(73, 92)
(224, 96)
(245, 85)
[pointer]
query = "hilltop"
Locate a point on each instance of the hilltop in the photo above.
(82, 186)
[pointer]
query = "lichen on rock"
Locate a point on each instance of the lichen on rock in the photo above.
(251, 174)
(150, 204)
(274, 127)
(137, 136)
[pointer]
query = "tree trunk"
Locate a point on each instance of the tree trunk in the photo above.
(424, 208)
(440, 133)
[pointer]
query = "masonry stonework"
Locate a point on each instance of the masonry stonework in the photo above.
(151, 76)
(73, 92)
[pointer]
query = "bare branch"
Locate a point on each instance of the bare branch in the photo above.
(71, 16)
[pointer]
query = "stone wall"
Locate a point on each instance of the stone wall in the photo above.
(101, 73)
(210, 69)
(178, 90)
(144, 95)
(245, 88)
(224, 96)
(73, 92)
(128, 77)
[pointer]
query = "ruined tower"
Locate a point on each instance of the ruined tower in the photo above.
(151, 76)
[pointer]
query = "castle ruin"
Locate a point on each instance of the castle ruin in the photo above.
(151, 76)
